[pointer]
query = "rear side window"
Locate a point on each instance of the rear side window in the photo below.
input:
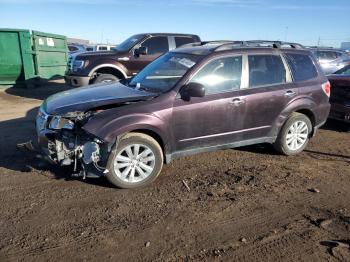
(102, 48)
(156, 45)
(180, 40)
(302, 67)
(220, 75)
(328, 55)
(266, 70)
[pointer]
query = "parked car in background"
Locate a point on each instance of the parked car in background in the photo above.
(198, 98)
(126, 60)
(340, 95)
(76, 48)
(94, 48)
(331, 59)
(345, 46)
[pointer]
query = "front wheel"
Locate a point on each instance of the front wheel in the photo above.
(136, 161)
(294, 135)
(105, 78)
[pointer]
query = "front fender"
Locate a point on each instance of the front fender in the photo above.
(110, 130)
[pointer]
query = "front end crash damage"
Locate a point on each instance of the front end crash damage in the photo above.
(67, 144)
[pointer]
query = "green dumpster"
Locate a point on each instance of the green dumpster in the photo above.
(25, 56)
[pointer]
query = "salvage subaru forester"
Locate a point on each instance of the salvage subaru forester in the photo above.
(202, 97)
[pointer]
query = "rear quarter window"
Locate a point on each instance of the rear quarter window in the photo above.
(302, 67)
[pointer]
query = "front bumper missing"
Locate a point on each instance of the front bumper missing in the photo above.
(85, 156)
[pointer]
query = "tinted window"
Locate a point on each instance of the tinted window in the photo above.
(102, 48)
(183, 40)
(72, 48)
(344, 71)
(302, 67)
(89, 49)
(129, 43)
(158, 44)
(266, 70)
(327, 55)
(220, 75)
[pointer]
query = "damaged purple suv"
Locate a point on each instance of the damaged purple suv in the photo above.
(202, 97)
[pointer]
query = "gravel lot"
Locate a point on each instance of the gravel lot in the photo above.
(245, 204)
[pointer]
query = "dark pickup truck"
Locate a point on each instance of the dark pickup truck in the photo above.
(126, 60)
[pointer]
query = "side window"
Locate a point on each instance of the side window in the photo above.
(72, 48)
(266, 70)
(327, 55)
(157, 44)
(220, 75)
(302, 67)
(180, 40)
(102, 48)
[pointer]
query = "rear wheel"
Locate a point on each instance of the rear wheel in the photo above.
(136, 161)
(105, 78)
(294, 135)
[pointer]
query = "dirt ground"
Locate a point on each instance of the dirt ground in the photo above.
(246, 204)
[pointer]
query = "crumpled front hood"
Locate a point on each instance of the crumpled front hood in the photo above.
(89, 97)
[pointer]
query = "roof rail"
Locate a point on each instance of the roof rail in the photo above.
(206, 43)
(321, 47)
(222, 45)
(258, 43)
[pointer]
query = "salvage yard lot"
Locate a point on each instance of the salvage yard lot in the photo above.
(245, 204)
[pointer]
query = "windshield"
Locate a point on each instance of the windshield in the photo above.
(129, 43)
(343, 71)
(162, 74)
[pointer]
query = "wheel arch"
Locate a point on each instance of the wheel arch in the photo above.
(304, 106)
(113, 69)
(154, 135)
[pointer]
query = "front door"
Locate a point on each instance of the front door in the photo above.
(215, 118)
(156, 46)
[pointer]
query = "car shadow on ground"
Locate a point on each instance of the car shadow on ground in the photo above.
(40, 92)
(333, 125)
(259, 149)
(21, 130)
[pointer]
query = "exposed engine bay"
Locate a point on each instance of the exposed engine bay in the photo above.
(69, 145)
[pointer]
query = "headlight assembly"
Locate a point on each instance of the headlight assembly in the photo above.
(77, 64)
(58, 122)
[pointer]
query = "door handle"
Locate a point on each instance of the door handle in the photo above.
(237, 101)
(290, 93)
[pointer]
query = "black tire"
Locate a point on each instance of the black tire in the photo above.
(127, 140)
(105, 78)
(281, 142)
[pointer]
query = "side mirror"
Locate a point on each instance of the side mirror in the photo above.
(193, 90)
(142, 50)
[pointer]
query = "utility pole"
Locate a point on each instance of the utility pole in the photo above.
(319, 41)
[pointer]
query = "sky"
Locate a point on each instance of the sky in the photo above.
(305, 21)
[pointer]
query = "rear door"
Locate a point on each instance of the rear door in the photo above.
(269, 89)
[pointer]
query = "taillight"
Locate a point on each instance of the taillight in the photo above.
(326, 87)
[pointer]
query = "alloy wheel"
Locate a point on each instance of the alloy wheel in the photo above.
(297, 135)
(134, 163)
